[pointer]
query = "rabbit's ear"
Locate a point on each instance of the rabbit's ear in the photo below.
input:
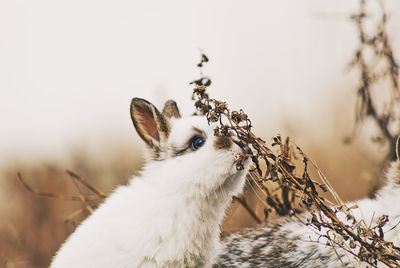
(150, 124)
(171, 109)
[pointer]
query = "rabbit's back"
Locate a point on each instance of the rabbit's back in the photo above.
(279, 245)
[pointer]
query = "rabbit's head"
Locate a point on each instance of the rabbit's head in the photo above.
(188, 149)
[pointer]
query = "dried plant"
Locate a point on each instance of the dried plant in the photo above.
(354, 236)
(357, 238)
(88, 201)
(378, 92)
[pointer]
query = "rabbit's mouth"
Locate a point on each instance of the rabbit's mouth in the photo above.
(245, 148)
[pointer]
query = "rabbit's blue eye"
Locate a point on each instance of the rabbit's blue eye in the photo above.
(196, 142)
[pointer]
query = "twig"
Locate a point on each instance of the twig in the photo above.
(367, 107)
(57, 196)
(87, 206)
(90, 187)
(242, 201)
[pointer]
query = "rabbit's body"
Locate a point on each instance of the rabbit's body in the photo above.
(169, 216)
(147, 223)
(292, 244)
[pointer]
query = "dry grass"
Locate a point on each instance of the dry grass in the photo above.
(32, 227)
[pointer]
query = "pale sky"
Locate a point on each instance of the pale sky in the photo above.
(68, 69)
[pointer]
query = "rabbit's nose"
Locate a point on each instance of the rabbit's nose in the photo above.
(232, 133)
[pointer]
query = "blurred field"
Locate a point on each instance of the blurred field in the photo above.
(33, 227)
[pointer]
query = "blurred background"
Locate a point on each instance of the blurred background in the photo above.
(69, 69)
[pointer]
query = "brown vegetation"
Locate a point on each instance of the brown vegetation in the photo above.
(303, 192)
(33, 226)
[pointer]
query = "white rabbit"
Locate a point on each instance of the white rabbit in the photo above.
(169, 216)
(292, 244)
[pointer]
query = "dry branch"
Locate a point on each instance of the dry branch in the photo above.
(62, 196)
(85, 199)
(379, 67)
(243, 202)
(355, 237)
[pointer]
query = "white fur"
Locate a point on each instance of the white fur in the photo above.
(169, 216)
